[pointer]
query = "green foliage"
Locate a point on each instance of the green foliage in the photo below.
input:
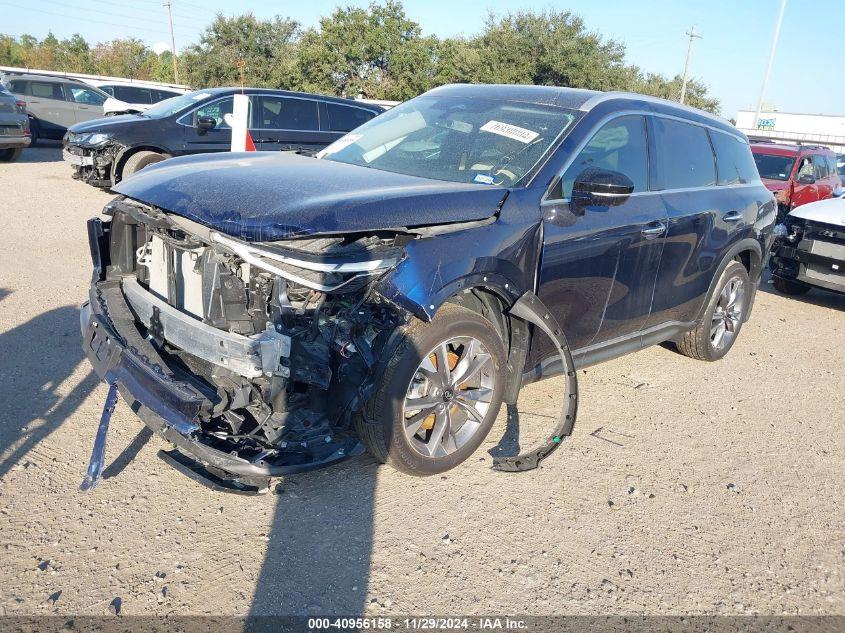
(268, 48)
(376, 52)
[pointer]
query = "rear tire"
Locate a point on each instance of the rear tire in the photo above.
(726, 310)
(138, 161)
(789, 287)
(433, 439)
(10, 155)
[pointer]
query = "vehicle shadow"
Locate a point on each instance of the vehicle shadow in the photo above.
(320, 545)
(38, 356)
(816, 296)
(44, 152)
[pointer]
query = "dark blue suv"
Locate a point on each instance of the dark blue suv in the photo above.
(272, 313)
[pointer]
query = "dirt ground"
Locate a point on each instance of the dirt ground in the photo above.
(687, 487)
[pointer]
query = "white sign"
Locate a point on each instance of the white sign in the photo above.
(238, 122)
(510, 131)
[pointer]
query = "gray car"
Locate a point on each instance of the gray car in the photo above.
(55, 103)
(14, 126)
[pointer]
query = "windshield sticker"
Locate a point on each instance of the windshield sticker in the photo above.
(510, 131)
(339, 144)
(201, 95)
(484, 179)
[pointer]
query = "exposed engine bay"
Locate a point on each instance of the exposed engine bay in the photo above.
(261, 359)
(272, 330)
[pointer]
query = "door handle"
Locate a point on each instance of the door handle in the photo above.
(653, 229)
(732, 216)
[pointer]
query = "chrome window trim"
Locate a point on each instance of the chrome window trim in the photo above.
(273, 129)
(618, 114)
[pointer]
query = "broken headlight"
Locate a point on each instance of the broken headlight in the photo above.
(326, 273)
(91, 139)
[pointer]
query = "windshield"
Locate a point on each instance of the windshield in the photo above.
(774, 167)
(484, 141)
(173, 105)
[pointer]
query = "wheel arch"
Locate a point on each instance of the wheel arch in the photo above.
(750, 253)
(124, 154)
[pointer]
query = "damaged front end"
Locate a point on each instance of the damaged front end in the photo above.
(92, 157)
(254, 359)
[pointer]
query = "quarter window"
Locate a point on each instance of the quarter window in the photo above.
(345, 118)
(734, 163)
(619, 146)
(283, 113)
(684, 157)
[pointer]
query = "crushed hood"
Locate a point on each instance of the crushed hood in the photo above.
(276, 195)
(830, 211)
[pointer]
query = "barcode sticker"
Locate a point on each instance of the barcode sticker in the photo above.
(510, 131)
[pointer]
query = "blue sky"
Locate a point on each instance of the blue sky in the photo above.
(730, 59)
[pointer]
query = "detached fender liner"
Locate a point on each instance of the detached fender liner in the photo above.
(529, 308)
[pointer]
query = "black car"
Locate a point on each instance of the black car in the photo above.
(268, 313)
(105, 151)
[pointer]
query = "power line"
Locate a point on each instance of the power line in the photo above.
(692, 37)
(79, 18)
(112, 15)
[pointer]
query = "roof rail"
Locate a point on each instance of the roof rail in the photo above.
(592, 102)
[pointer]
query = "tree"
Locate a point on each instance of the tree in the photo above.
(266, 46)
(376, 52)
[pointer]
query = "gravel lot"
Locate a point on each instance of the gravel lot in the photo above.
(687, 487)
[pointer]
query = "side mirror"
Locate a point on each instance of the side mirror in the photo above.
(807, 179)
(600, 187)
(206, 123)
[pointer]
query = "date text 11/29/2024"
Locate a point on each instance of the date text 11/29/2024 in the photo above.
(490, 623)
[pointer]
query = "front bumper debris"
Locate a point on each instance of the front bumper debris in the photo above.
(167, 404)
(815, 262)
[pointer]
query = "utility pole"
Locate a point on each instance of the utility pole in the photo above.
(771, 61)
(692, 37)
(172, 42)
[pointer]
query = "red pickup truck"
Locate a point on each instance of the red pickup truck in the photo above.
(796, 174)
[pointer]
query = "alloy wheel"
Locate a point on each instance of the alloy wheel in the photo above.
(727, 316)
(448, 396)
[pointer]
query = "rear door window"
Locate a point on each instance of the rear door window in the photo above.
(46, 90)
(285, 113)
(620, 146)
(734, 162)
(345, 118)
(683, 156)
(161, 95)
(132, 94)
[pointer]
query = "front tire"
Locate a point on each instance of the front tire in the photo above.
(138, 161)
(789, 287)
(723, 317)
(439, 395)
